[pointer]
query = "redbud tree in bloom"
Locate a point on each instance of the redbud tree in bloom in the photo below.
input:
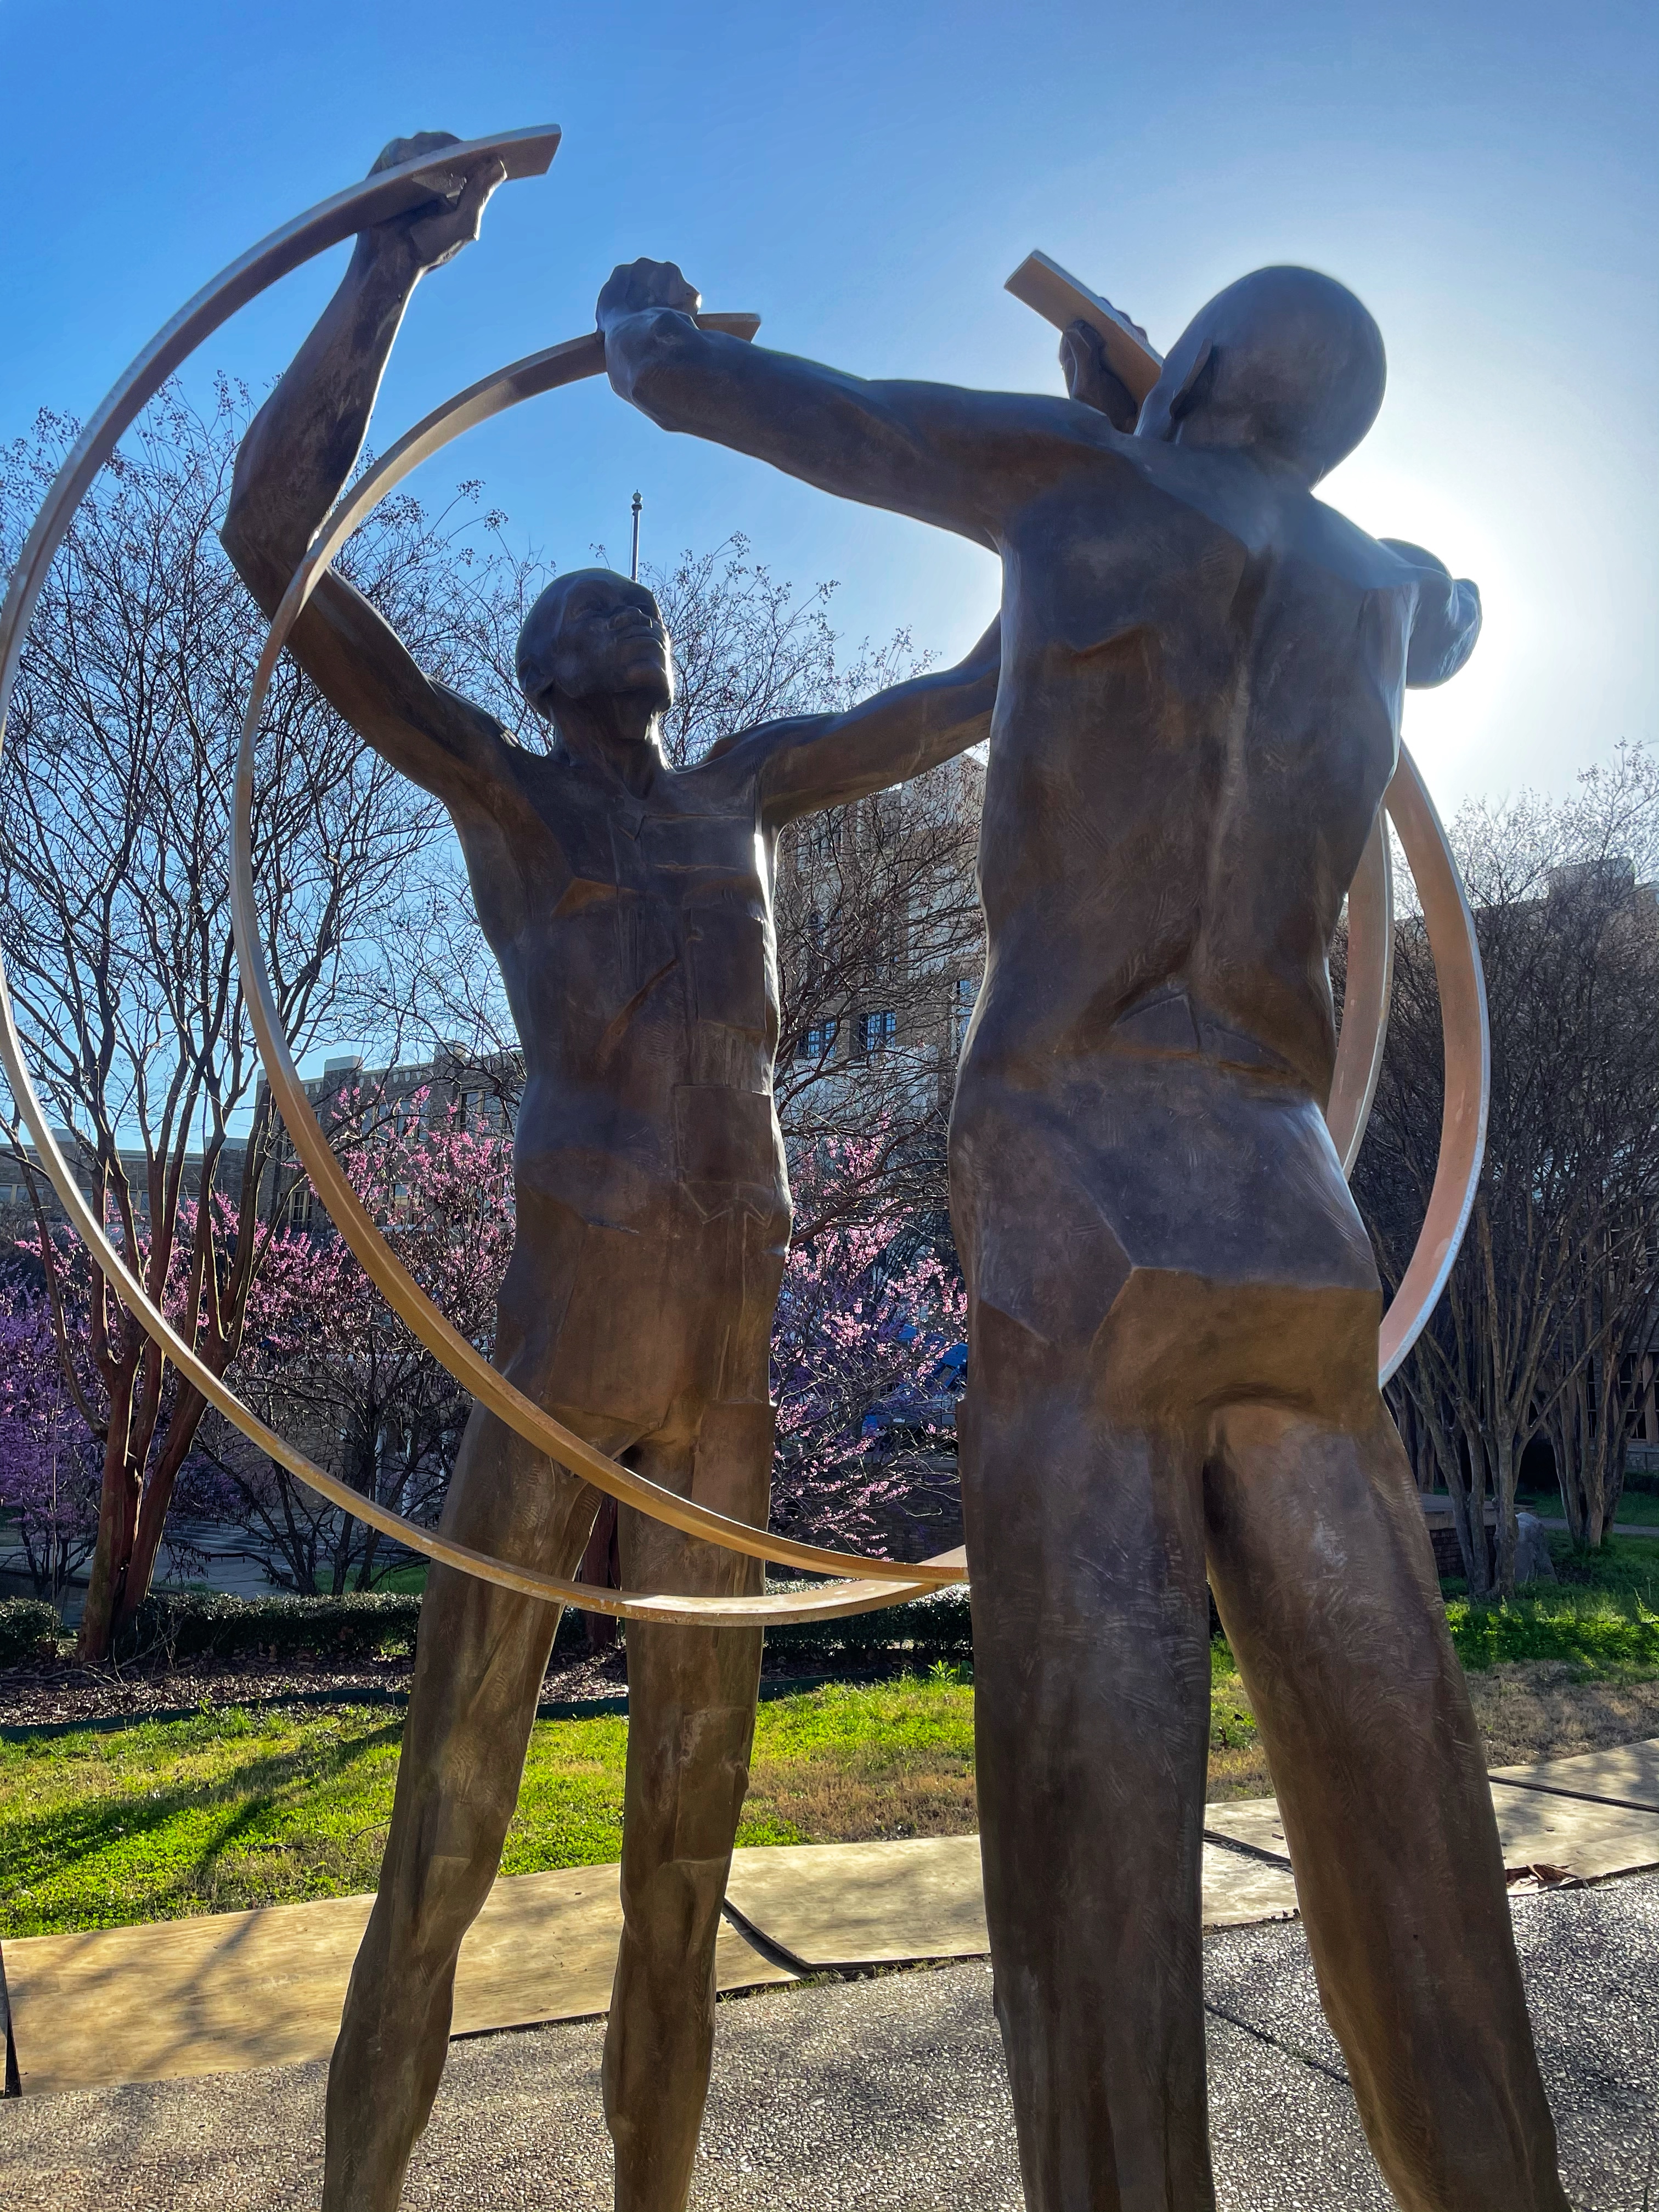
(50, 1462)
(329, 1365)
(862, 1372)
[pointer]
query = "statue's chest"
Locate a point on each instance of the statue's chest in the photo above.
(676, 908)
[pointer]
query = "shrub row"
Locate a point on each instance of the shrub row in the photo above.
(177, 1624)
(185, 1625)
(29, 1630)
(926, 1629)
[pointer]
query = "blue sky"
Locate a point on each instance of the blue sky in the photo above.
(865, 177)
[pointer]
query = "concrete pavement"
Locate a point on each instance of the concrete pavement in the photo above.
(884, 2095)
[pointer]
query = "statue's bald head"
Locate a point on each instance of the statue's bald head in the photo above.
(1284, 361)
(593, 632)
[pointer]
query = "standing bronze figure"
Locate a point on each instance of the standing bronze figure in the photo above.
(1174, 1305)
(629, 907)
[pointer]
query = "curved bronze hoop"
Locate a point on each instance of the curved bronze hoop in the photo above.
(1465, 1037)
(524, 153)
(1365, 1002)
(1359, 1048)
(883, 1582)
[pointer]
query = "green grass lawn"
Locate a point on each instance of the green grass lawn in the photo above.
(1638, 1507)
(232, 1808)
(1600, 1615)
(235, 1808)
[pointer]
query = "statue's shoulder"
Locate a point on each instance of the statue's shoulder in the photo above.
(1322, 536)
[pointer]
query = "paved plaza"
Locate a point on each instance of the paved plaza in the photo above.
(885, 2092)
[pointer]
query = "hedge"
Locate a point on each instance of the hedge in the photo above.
(173, 1626)
(190, 1624)
(926, 1629)
(29, 1629)
(176, 1625)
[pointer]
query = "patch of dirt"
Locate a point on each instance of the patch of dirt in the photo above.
(61, 1694)
(31, 1695)
(1545, 1708)
(931, 1794)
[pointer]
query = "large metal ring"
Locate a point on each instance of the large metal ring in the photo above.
(1465, 1038)
(376, 200)
(885, 1581)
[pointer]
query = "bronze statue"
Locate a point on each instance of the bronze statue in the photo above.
(1174, 1306)
(630, 908)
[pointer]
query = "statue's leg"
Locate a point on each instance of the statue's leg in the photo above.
(691, 1697)
(480, 1658)
(1092, 1687)
(1324, 1578)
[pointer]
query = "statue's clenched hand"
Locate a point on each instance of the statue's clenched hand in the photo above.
(428, 236)
(1089, 379)
(640, 285)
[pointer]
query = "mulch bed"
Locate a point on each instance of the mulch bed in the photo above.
(33, 1696)
(60, 1696)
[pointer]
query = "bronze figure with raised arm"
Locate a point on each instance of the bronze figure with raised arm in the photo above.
(630, 906)
(1174, 1308)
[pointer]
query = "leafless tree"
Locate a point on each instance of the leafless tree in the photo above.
(1555, 1287)
(114, 816)
(746, 651)
(880, 948)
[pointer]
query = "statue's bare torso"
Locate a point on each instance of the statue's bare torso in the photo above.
(1164, 811)
(636, 945)
(1198, 716)
(1202, 668)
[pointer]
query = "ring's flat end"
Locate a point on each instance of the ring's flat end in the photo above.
(736, 325)
(527, 153)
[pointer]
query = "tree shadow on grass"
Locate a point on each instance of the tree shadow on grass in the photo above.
(40, 1847)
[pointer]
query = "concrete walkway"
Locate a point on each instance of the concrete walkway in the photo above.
(881, 2095)
(226, 1992)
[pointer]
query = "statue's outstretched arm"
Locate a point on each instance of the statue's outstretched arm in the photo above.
(817, 761)
(297, 456)
(963, 460)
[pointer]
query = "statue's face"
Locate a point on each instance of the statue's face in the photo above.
(595, 635)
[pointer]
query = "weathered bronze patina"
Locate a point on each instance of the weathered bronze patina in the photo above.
(629, 907)
(1174, 1306)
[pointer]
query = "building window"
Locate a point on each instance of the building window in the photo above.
(961, 1010)
(823, 838)
(818, 1042)
(877, 1031)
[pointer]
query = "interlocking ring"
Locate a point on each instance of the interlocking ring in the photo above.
(881, 1582)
